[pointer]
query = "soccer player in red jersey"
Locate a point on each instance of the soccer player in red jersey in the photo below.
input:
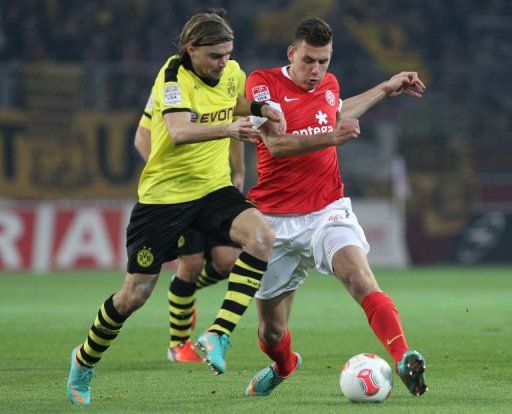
(300, 191)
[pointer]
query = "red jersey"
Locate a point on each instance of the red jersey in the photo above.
(297, 184)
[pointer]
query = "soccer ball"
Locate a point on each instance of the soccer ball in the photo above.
(366, 378)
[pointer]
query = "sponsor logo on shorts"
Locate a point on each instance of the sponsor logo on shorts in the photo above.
(338, 217)
(145, 257)
(181, 242)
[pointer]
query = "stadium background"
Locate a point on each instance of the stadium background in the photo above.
(432, 179)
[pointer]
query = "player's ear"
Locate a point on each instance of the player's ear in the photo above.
(190, 48)
(290, 52)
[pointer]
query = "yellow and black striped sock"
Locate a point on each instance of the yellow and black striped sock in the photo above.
(181, 309)
(244, 282)
(104, 330)
(208, 276)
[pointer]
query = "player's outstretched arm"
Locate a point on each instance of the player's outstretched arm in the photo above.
(183, 131)
(403, 82)
(289, 144)
(142, 142)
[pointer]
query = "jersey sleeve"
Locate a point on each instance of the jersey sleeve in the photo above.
(338, 91)
(173, 92)
(145, 120)
(257, 87)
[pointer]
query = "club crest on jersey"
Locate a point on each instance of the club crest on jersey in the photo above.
(329, 96)
(172, 93)
(231, 88)
(261, 93)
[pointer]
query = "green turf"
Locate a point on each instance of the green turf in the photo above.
(459, 318)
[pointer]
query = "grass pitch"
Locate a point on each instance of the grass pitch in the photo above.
(459, 318)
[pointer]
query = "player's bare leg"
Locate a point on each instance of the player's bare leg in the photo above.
(135, 291)
(275, 340)
(251, 230)
(352, 269)
(223, 258)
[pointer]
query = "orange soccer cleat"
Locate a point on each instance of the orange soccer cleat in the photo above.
(184, 352)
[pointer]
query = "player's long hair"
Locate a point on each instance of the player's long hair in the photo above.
(314, 31)
(205, 29)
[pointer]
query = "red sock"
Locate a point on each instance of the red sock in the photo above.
(385, 322)
(281, 354)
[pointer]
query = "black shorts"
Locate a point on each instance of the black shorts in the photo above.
(154, 229)
(192, 242)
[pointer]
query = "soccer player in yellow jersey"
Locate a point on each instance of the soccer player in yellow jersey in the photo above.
(202, 261)
(186, 183)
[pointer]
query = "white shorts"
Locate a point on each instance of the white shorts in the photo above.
(306, 241)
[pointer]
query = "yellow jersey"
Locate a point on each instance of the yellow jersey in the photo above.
(181, 173)
(145, 119)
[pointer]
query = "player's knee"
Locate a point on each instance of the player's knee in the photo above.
(360, 283)
(264, 237)
(223, 266)
(223, 259)
(271, 334)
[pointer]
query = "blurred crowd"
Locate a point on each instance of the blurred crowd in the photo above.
(144, 30)
(461, 48)
(370, 37)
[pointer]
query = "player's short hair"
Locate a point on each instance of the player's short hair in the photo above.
(207, 28)
(314, 31)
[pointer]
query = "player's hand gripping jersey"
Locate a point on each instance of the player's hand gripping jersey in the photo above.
(298, 184)
(181, 173)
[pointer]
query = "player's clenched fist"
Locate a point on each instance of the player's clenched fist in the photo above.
(346, 130)
(242, 129)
